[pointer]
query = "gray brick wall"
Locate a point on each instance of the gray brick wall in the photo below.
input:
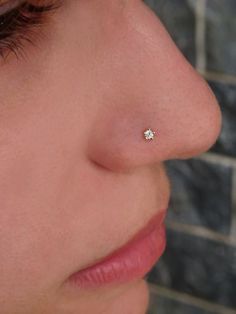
(197, 273)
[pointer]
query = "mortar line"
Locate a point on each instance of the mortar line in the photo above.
(202, 232)
(200, 36)
(213, 157)
(218, 77)
(157, 290)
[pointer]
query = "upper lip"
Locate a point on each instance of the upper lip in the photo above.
(154, 222)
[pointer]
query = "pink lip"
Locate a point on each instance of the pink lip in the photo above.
(132, 261)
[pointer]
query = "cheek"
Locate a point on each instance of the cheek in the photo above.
(43, 133)
(33, 151)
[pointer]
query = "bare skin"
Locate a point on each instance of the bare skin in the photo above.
(77, 180)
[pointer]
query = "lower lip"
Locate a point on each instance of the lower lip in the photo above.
(132, 261)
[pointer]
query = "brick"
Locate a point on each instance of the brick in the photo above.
(221, 36)
(199, 267)
(201, 194)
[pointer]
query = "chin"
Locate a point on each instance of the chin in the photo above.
(134, 299)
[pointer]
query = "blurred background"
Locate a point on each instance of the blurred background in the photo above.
(197, 273)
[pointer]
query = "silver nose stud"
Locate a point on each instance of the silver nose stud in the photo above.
(149, 134)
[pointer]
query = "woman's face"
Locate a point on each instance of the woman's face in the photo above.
(77, 178)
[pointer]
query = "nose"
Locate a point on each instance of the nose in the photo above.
(151, 85)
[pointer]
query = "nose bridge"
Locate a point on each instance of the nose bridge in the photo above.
(161, 91)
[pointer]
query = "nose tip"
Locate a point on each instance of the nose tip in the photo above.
(198, 119)
(203, 125)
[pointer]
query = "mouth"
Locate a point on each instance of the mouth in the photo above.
(129, 262)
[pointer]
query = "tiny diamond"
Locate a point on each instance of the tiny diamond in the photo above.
(149, 134)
